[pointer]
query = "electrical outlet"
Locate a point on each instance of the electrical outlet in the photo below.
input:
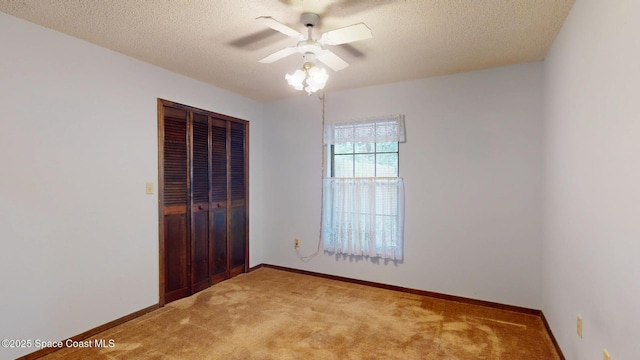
(296, 243)
(605, 355)
(579, 326)
(149, 188)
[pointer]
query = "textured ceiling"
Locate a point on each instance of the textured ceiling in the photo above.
(220, 42)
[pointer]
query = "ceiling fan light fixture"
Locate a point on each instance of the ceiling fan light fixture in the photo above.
(315, 78)
(312, 50)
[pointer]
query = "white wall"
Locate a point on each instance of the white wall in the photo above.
(78, 141)
(472, 167)
(591, 254)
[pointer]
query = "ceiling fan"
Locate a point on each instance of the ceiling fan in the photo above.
(313, 50)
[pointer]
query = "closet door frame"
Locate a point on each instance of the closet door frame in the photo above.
(161, 104)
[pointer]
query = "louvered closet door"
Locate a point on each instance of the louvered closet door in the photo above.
(199, 202)
(218, 246)
(237, 231)
(175, 199)
(203, 193)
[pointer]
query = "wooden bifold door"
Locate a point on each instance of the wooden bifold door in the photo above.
(203, 196)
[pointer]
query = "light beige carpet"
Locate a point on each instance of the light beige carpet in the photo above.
(274, 314)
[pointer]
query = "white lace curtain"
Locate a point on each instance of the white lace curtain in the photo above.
(364, 216)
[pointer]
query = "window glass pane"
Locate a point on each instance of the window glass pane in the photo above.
(365, 165)
(387, 147)
(343, 166)
(387, 165)
(346, 148)
(365, 159)
(365, 147)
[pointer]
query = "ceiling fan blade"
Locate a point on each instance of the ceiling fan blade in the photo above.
(346, 34)
(331, 60)
(278, 55)
(278, 26)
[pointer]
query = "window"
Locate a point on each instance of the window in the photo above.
(363, 205)
(351, 160)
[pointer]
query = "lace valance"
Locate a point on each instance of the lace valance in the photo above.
(380, 129)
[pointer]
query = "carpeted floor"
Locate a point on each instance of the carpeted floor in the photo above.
(274, 314)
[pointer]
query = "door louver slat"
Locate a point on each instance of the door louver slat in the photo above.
(237, 162)
(218, 163)
(175, 161)
(200, 159)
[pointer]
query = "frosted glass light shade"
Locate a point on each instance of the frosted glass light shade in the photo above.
(296, 79)
(316, 79)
